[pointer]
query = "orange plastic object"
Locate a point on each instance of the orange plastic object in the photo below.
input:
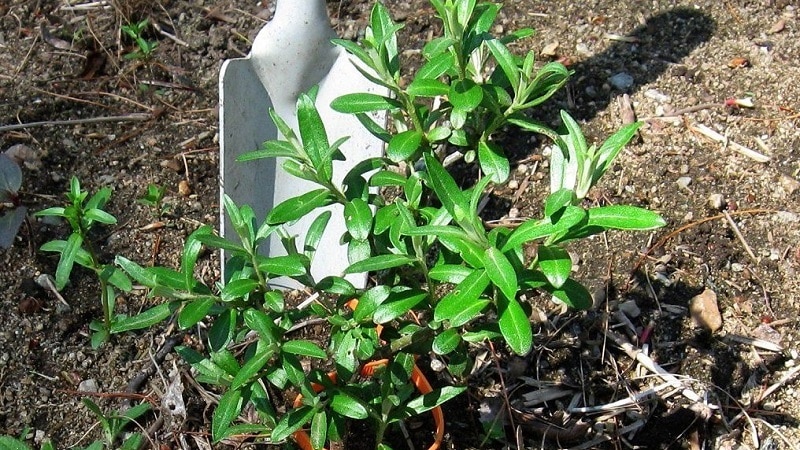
(367, 370)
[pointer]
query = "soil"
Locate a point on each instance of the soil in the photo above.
(733, 222)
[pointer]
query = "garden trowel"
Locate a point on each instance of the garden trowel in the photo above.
(290, 55)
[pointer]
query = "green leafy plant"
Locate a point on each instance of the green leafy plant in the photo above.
(83, 213)
(443, 280)
(154, 198)
(144, 47)
(12, 213)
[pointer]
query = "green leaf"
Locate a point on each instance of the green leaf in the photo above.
(9, 443)
(221, 243)
(315, 232)
(493, 161)
(304, 348)
(446, 342)
(536, 229)
(404, 145)
(230, 404)
(463, 303)
(397, 304)
(297, 207)
(380, 262)
(500, 271)
(319, 429)
(253, 365)
(465, 95)
(611, 147)
(387, 178)
(348, 406)
(259, 321)
(222, 330)
(336, 285)
(292, 422)
(358, 219)
(270, 149)
(194, 312)
(446, 189)
(437, 46)
(505, 59)
(363, 103)
(98, 215)
(427, 87)
(450, 273)
(438, 231)
(514, 325)
(433, 399)
(117, 278)
(145, 319)
(238, 289)
(469, 251)
(624, 217)
(369, 302)
(137, 272)
(558, 200)
(435, 67)
(313, 134)
(555, 263)
(288, 265)
(65, 263)
(191, 251)
(572, 293)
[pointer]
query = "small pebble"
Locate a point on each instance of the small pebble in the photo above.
(655, 94)
(184, 189)
(522, 168)
(89, 385)
(716, 201)
(513, 184)
(683, 182)
(621, 81)
(705, 310)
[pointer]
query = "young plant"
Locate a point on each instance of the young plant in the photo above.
(114, 424)
(442, 278)
(153, 198)
(83, 215)
(12, 213)
(144, 47)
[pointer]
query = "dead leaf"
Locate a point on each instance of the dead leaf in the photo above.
(739, 63)
(93, 65)
(778, 27)
(54, 41)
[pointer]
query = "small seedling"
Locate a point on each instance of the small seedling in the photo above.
(153, 198)
(144, 47)
(83, 215)
(114, 424)
(12, 213)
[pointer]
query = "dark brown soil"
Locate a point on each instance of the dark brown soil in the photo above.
(66, 63)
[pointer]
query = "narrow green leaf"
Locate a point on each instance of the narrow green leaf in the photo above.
(270, 149)
(465, 95)
(446, 342)
(427, 87)
(194, 312)
(358, 218)
(558, 200)
(446, 189)
(404, 145)
(514, 325)
(555, 263)
(500, 272)
(384, 178)
(493, 161)
(438, 231)
(98, 215)
(369, 302)
(118, 279)
(238, 289)
(229, 407)
(624, 217)
(348, 406)
(287, 266)
(292, 422)
(297, 207)
(137, 272)
(505, 59)
(450, 273)
(304, 348)
(253, 365)
(363, 103)
(145, 319)
(431, 400)
(536, 229)
(259, 321)
(191, 251)
(435, 67)
(319, 429)
(315, 232)
(398, 304)
(463, 303)
(336, 285)
(312, 132)
(573, 294)
(221, 243)
(380, 262)
(67, 259)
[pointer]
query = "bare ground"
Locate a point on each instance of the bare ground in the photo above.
(733, 222)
